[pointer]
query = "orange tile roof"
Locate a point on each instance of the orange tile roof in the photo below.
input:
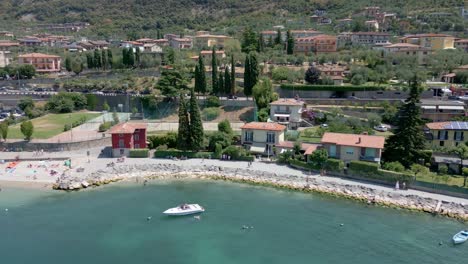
(450, 125)
(210, 52)
(354, 140)
(371, 33)
(290, 145)
(37, 55)
(437, 125)
(8, 44)
(126, 128)
(287, 102)
(427, 35)
(264, 126)
(402, 45)
(310, 149)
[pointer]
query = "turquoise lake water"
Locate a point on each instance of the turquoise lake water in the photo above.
(109, 225)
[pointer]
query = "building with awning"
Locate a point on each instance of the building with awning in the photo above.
(287, 112)
(439, 110)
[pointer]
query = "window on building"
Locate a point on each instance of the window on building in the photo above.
(350, 151)
(270, 137)
(248, 136)
(136, 137)
(458, 136)
(137, 146)
(121, 143)
(441, 143)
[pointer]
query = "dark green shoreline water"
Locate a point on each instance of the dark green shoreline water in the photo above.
(108, 225)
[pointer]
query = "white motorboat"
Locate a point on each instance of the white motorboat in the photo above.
(460, 237)
(185, 209)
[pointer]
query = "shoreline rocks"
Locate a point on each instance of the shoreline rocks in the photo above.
(251, 176)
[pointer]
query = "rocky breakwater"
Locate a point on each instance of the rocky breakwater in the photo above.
(252, 176)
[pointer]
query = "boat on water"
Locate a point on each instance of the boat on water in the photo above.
(460, 237)
(185, 209)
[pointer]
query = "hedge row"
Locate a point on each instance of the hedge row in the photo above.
(335, 165)
(179, 153)
(372, 171)
(303, 165)
(138, 153)
(333, 88)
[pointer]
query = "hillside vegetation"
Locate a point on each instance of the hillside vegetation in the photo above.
(110, 16)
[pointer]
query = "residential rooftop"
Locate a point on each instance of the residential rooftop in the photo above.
(449, 125)
(126, 128)
(264, 126)
(354, 140)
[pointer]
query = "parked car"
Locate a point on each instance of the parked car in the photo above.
(454, 97)
(381, 128)
(324, 125)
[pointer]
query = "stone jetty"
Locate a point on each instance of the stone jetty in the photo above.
(252, 176)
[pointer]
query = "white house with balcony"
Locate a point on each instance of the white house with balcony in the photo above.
(261, 137)
(287, 112)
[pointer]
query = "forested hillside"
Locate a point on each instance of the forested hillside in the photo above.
(146, 15)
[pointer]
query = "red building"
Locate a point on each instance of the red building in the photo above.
(127, 136)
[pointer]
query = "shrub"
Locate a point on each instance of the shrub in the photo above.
(27, 129)
(235, 152)
(138, 153)
(304, 165)
(66, 127)
(220, 138)
(169, 139)
(212, 101)
(443, 169)
(334, 165)
(363, 167)
(393, 166)
(225, 127)
(104, 126)
(211, 113)
(179, 153)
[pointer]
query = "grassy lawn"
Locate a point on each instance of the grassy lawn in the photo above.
(442, 179)
(309, 135)
(50, 125)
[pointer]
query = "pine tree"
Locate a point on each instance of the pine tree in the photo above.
(227, 81)
(184, 134)
(105, 64)
(406, 144)
(221, 83)
(214, 71)
(290, 43)
(233, 75)
(68, 64)
(89, 61)
(200, 77)
(110, 59)
(97, 59)
(196, 124)
(278, 39)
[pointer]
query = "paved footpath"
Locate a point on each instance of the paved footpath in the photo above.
(79, 159)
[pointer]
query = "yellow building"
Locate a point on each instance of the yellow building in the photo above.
(261, 137)
(430, 41)
(210, 40)
(350, 147)
(446, 134)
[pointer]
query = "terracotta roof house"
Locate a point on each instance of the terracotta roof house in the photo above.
(127, 136)
(262, 137)
(43, 63)
(446, 134)
(349, 147)
(315, 44)
(431, 41)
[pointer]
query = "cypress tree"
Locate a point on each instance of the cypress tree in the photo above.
(97, 59)
(110, 59)
(137, 57)
(289, 43)
(247, 78)
(183, 135)
(197, 79)
(233, 75)
(89, 61)
(200, 86)
(261, 43)
(406, 144)
(125, 56)
(250, 74)
(214, 71)
(196, 124)
(278, 40)
(227, 81)
(131, 57)
(270, 41)
(68, 64)
(221, 83)
(104, 59)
